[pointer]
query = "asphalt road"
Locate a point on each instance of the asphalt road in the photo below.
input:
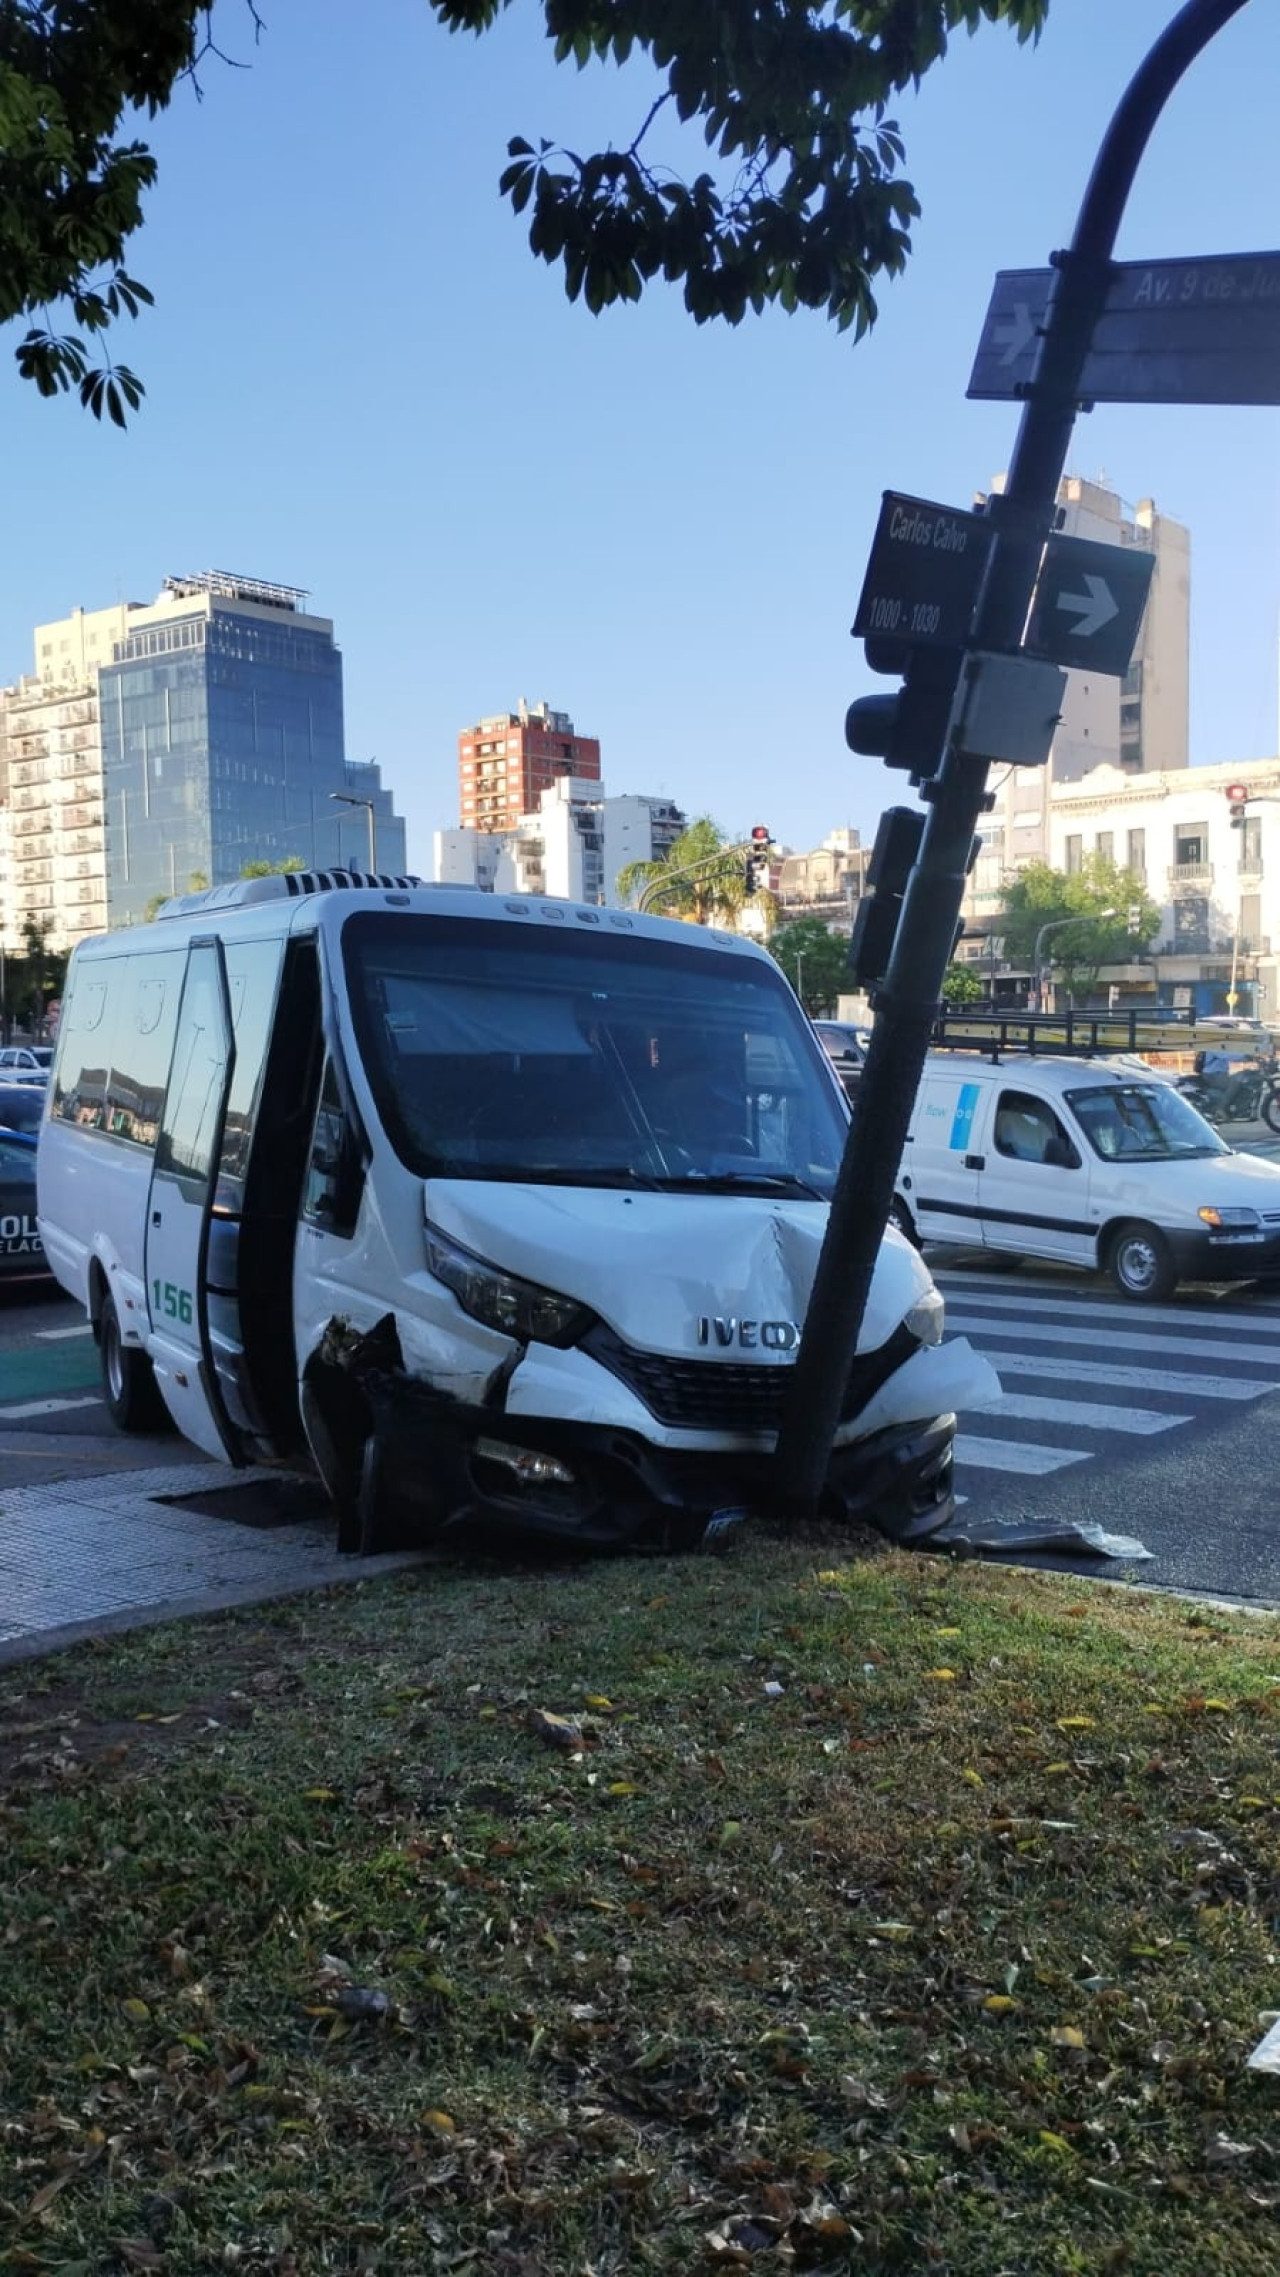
(52, 1421)
(1153, 1422)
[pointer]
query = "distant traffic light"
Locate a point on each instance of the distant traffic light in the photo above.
(756, 868)
(1237, 797)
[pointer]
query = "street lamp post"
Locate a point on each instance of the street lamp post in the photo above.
(348, 798)
(1059, 925)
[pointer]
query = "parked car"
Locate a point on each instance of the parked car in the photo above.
(22, 1255)
(23, 1060)
(21, 1105)
(846, 1047)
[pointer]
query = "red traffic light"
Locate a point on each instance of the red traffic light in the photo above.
(760, 835)
(1237, 791)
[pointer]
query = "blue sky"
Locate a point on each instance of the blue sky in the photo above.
(360, 381)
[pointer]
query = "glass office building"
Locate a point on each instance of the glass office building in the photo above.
(222, 743)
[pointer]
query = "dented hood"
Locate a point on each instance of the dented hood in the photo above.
(656, 1265)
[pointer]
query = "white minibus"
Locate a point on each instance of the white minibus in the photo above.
(483, 1206)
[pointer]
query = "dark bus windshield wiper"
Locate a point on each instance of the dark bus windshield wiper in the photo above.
(739, 1182)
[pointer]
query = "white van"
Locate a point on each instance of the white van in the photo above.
(484, 1205)
(1086, 1161)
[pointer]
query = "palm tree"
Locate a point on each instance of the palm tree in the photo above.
(713, 893)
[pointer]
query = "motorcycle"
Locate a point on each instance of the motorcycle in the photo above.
(1250, 1094)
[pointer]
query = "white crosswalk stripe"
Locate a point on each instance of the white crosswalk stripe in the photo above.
(1117, 1339)
(1092, 1356)
(1030, 1302)
(1015, 1454)
(1137, 1422)
(1007, 1362)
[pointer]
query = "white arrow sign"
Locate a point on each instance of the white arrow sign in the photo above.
(1014, 333)
(1094, 609)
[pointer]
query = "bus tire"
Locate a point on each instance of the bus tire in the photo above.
(130, 1392)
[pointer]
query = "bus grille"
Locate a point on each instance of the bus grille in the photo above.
(721, 1395)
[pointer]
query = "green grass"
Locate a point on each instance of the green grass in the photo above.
(890, 1916)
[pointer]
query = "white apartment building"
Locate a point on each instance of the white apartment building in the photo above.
(51, 813)
(52, 839)
(572, 848)
(828, 882)
(1136, 725)
(1218, 886)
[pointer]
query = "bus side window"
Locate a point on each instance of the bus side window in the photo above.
(331, 1196)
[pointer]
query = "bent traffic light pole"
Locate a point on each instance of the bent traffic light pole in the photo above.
(907, 1000)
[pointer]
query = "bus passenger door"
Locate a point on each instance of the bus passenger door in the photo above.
(180, 1206)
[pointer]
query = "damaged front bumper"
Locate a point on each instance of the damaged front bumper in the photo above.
(432, 1462)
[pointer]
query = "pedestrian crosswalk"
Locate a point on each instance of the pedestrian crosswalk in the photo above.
(1064, 1403)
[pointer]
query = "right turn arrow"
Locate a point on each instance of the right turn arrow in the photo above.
(1094, 609)
(1014, 333)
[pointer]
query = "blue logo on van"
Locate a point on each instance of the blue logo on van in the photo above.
(962, 1120)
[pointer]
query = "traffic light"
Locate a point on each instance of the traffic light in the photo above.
(910, 729)
(756, 868)
(892, 861)
(1237, 796)
(1133, 917)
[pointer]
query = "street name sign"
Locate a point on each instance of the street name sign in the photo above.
(1088, 604)
(1198, 331)
(924, 573)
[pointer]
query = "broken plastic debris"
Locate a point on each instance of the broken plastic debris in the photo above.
(1266, 2056)
(1080, 1536)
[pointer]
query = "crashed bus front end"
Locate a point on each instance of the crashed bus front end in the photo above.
(567, 1198)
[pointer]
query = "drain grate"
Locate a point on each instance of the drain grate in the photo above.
(263, 1504)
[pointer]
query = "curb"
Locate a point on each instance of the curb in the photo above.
(202, 1603)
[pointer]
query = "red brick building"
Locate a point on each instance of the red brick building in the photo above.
(505, 764)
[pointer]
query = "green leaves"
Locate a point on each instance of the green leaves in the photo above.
(70, 193)
(57, 364)
(794, 92)
(789, 96)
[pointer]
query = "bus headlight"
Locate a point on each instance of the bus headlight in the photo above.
(499, 1300)
(926, 1317)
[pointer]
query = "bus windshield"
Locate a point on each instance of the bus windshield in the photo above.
(515, 1052)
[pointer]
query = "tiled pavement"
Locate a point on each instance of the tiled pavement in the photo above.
(89, 1556)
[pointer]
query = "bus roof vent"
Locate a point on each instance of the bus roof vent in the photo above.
(245, 892)
(344, 881)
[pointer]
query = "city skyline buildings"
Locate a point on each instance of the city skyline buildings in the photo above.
(161, 743)
(508, 759)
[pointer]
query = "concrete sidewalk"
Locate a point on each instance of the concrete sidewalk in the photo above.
(87, 1557)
